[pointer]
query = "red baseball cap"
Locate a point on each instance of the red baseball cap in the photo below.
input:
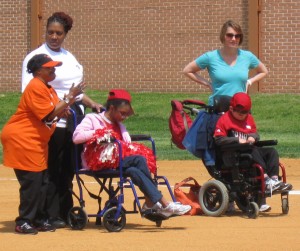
(241, 99)
(120, 94)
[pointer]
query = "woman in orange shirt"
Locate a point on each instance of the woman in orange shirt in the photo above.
(25, 141)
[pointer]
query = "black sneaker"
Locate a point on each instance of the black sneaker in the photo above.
(57, 222)
(45, 227)
(26, 228)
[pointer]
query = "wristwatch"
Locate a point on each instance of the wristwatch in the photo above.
(67, 100)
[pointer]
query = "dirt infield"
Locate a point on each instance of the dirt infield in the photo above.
(270, 231)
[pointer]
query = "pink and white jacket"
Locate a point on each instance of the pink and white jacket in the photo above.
(91, 122)
(88, 126)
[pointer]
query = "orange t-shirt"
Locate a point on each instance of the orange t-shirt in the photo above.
(25, 136)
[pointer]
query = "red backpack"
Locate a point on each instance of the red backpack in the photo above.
(179, 123)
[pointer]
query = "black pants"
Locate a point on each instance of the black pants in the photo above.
(268, 158)
(33, 188)
(61, 172)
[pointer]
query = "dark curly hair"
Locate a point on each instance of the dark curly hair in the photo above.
(64, 19)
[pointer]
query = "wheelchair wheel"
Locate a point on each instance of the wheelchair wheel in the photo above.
(77, 218)
(112, 224)
(253, 210)
(285, 206)
(242, 202)
(213, 198)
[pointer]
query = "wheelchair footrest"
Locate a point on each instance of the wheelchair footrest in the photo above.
(152, 215)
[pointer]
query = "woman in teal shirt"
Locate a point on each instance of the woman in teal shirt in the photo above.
(228, 69)
(229, 66)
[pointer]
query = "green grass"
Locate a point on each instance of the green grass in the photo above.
(276, 116)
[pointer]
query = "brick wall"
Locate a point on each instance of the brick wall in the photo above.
(14, 40)
(281, 45)
(143, 45)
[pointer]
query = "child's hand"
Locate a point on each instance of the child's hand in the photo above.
(251, 140)
(242, 141)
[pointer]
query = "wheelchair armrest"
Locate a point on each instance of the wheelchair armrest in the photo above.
(140, 137)
(271, 142)
(236, 147)
(144, 137)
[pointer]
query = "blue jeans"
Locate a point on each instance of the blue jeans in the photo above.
(136, 168)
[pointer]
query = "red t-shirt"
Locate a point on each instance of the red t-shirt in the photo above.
(228, 126)
(25, 136)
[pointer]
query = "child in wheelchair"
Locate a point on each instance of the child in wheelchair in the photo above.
(237, 125)
(118, 108)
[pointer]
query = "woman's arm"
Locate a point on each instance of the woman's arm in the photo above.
(87, 101)
(261, 72)
(191, 71)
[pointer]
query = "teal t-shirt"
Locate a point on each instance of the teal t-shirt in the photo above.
(226, 79)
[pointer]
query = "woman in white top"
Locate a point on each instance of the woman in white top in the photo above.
(59, 198)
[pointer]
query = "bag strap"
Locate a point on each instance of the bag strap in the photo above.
(185, 181)
(184, 120)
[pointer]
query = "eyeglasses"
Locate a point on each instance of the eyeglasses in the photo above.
(124, 114)
(241, 111)
(236, 36)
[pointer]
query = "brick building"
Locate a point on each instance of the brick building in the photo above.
(143, 45)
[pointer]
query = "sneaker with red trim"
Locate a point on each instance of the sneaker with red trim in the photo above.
(25, 228)
(45, 227)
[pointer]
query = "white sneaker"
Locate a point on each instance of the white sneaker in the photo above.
(265, 208)
(174, 208)
(273, 184)
(155, 207)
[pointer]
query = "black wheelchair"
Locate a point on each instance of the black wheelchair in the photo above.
(236, 178)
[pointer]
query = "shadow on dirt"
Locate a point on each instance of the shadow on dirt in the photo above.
(131, 226)
(7, 227)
